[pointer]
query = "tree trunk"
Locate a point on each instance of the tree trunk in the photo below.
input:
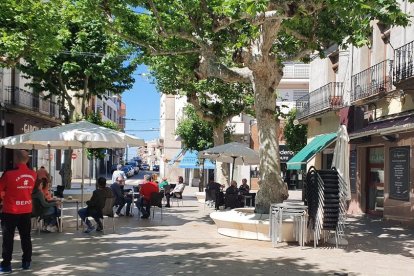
(66, 171)
(201, 184)
(218, 139)
(271, 185)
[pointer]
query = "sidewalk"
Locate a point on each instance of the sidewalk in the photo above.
(186, 242)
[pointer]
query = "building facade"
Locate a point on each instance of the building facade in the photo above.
(23, 111)
(370, 90)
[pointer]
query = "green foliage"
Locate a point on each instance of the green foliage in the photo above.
(93, 63)
(195, 133)
(217, 101)
(295, 135)
(96, 119)
(31, 28)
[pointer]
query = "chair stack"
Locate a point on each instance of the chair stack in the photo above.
(279, 212)
(325, 196)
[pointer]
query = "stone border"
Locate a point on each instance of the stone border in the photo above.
(243, 223)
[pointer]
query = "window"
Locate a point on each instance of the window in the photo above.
(104, 109)
(334, 57)
(297, 94)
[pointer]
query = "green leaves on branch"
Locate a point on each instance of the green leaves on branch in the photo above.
(295, 135)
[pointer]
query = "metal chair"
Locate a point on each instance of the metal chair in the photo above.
(108, 212)
(177, 197)
(156, 201)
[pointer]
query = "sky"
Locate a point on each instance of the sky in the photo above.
(143, 105)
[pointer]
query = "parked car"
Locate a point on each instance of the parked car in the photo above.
(145, 167)
(134, 165)
(128, 170)
(156, 168)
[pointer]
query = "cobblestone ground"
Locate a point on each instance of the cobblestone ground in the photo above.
(186, 242)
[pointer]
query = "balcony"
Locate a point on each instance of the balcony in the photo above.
(18, 97)
(372, 83)
(404, 66)
(326, 98)
(296, 71)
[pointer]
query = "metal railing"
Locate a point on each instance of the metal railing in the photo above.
(22, 98)
(327, 97)
(372, 81)
(404, 62)
(295, 71)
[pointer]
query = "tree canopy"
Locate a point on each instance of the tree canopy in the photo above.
(246, 41)
(94, 62)
(32, 28)
(295, 134)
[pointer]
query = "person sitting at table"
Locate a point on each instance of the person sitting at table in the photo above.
(120, 198)
(145, 191)
(178, 189)
(42, 173)
(45, 189)
(163, 183)
(232, 198)
(44, 209)
(95, 205)
(244, 188)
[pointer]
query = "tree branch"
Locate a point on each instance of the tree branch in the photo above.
(209, 67)
(200, 111)
(255, 20)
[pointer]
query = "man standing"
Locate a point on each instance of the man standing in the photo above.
(95, 205)
(17, 184)
(145, 192)
(117, 173)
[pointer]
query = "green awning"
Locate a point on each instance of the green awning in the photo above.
(319, 143)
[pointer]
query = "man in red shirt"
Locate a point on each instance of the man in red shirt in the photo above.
(17, 185)
(145, 192)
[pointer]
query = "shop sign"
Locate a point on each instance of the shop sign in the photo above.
(29, 128)
(353, 170)
(400, 173)
(285, 154)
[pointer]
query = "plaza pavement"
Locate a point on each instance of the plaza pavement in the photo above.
(185, 242)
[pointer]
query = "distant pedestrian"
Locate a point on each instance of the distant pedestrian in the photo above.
(17, 185)
(118, 172)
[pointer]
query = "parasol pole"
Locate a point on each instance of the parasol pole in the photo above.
(50, 169)
(82, 171)
(33, 158)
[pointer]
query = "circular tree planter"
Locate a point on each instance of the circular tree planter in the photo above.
(245, 224)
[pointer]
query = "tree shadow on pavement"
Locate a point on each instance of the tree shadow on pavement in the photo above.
(153, 255)
(375, 235)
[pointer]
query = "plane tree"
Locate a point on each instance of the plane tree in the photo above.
(247, 41)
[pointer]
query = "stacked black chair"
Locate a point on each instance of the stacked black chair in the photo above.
(325, 197)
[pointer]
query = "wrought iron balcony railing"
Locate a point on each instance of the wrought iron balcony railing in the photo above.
(404, 62)
(17, 96)
(373, 81)
(325, 98)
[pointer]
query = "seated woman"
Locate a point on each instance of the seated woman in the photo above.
(45, 189)
(45, 210)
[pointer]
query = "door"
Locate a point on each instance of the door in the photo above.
(375, 181)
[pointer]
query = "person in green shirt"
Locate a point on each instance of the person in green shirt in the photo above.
(163, 183)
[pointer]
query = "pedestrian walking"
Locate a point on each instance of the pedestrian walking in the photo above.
(17, 185)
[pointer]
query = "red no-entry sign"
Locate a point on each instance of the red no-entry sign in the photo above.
(74, 156)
